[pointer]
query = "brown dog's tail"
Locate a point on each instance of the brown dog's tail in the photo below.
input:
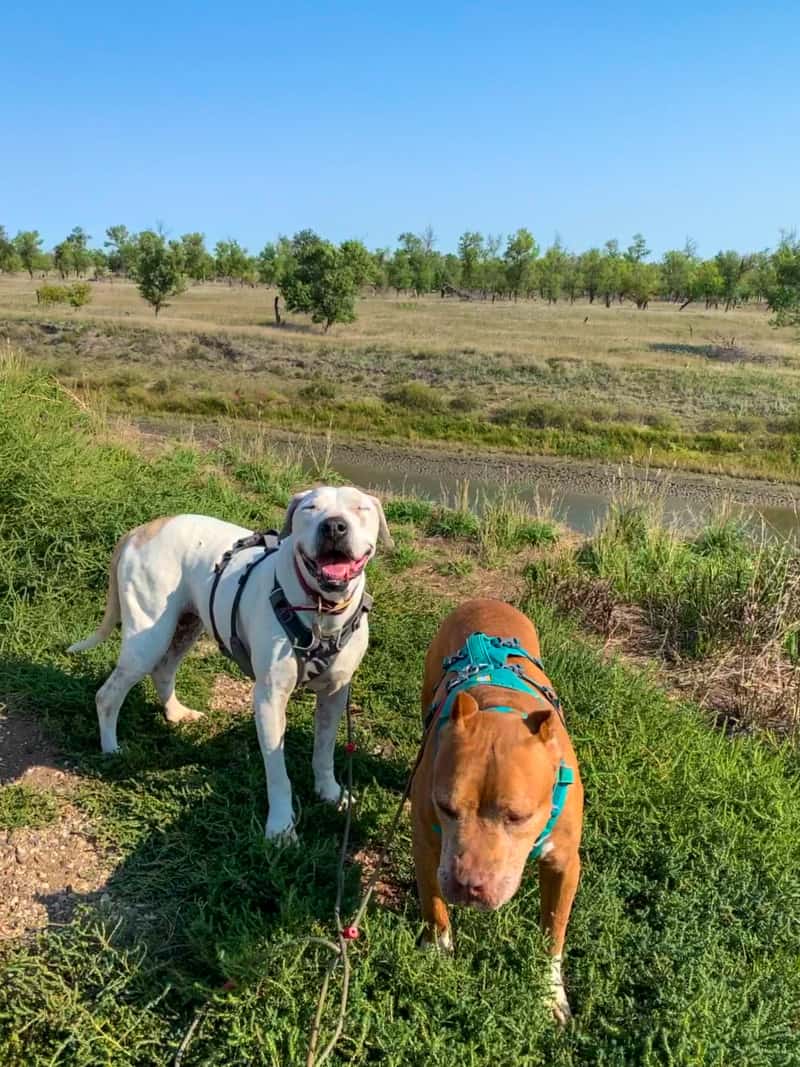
(113, 614)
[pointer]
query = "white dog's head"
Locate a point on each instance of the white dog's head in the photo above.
(335, 534)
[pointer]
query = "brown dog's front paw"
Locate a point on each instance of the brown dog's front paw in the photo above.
(557, 997)
(436, 940)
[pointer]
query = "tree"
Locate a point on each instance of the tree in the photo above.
(550, 272)
(8, 254)
(78, 241)
(420, 258)
(678, 268)
(62, 258)
(641, 282)
(359, 261)
(470, 252)
(732, 267)
(521, 251)
(707, 284)
(591, 269)
(611, 274)
(28, 246)
(198, 264)
(319, 280)
(99, 262)
(637, 250)
(399, 273)
(158, 269)
(122, 249)
(231, 261)
(783, 294)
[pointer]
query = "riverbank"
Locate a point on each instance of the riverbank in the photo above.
(577, 491)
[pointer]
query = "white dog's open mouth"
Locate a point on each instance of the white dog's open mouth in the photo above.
(335, 568)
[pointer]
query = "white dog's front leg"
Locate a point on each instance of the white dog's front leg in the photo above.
(269, 707)
(330, 707)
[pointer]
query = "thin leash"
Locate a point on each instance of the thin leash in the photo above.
(345, 934)
(350, 933)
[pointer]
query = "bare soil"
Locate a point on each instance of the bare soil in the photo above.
(46, 872)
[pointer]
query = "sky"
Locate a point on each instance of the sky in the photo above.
(364, 120)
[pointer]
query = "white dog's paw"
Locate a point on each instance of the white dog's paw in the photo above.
(281, 835)
(180, 713)
(336, 795)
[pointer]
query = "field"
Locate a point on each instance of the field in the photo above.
(697, 390)
(683, 944)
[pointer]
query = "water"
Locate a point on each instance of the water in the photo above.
(581, 507)
(578, 509)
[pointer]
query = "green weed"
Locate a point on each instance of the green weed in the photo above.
(22, 805)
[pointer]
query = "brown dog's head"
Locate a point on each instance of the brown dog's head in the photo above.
(493, 780)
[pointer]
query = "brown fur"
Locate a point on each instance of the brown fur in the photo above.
(487, 767)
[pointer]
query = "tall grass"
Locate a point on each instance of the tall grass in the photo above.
(682, 947)
(722, 586)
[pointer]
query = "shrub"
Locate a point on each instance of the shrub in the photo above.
(416, 396)
(408, 509)
(319, 390)
(448, 522)
(52, 294)
(79, 294)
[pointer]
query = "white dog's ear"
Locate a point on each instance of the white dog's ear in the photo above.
(384, 536)
(287, 522)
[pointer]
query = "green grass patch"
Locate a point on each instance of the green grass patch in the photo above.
(682, 947)
(22, 805)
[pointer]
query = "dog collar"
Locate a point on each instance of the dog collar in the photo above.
(323, 605)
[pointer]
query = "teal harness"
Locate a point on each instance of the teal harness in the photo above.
(484, 661)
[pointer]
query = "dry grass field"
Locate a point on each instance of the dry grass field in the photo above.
(698, 389)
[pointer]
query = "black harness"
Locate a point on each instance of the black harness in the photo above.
(312, 651)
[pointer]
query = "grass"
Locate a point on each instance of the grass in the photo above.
(22, 805)
(682, 947)
(701, 390)
(702, 592)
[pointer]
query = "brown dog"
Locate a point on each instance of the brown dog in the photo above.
(488, 785)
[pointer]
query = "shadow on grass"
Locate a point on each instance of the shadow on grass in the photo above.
(197, 886)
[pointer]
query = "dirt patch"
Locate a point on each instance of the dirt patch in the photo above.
(744, 690)
(26, 754)
(231, 695)
(44, 872)
(390, 892)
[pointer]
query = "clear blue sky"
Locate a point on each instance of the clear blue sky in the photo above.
(250, 119)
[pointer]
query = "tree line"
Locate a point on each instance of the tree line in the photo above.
(323, 279)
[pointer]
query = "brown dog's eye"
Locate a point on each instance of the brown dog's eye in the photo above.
(445, 809)
(516, 817)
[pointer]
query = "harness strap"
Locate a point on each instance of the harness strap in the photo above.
(313, 651)
(483, 660)
(565, 776)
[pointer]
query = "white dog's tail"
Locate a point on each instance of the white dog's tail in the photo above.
(112, 615)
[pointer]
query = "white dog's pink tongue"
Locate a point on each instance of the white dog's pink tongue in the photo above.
(341, 570)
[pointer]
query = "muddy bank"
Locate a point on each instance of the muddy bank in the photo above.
(556, 474)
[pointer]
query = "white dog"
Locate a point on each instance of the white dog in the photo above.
(291, 616)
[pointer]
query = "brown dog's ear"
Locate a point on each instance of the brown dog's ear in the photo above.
(539, 723)
(464, 707)
(384, 536)
(292, 508)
